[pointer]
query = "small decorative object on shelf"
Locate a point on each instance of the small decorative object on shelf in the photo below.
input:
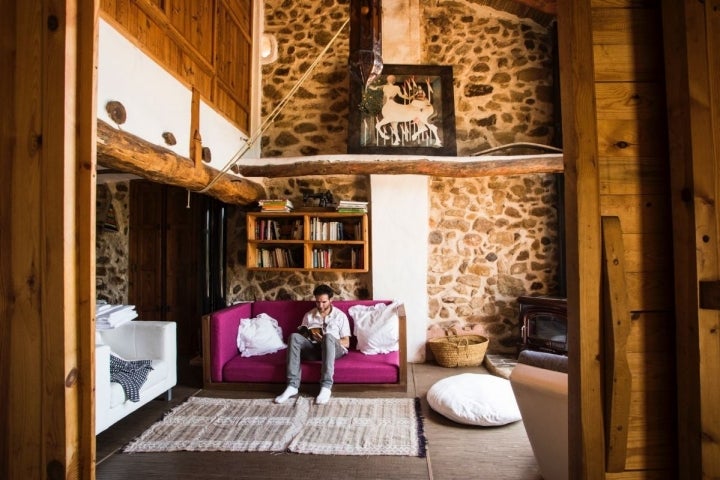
(323, 199)
(308, 241)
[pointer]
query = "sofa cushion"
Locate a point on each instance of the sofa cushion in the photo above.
(376, 328)
(355, 367)
(288, 313)
(259, 335)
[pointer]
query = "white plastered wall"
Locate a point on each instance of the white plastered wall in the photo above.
(156, 102)
(400, 203)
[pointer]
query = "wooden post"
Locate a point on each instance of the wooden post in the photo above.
(582, 212)
(195, 137)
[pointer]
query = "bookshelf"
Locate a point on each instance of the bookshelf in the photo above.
(315, 241)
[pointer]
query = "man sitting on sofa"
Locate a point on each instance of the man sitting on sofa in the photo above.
(324, 334)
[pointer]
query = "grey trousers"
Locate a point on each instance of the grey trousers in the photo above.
(300, 348)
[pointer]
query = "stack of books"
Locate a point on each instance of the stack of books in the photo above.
(110, 316)
(352, 206)
(276, 205)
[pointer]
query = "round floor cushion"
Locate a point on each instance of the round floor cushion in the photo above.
(475, 399)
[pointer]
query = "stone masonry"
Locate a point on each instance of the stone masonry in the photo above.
(502, 75)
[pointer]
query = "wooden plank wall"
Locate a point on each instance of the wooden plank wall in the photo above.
(624, 149)
(634, 186)
(206, 44)
(692, 39)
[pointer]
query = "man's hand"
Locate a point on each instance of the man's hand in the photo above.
(316, 334)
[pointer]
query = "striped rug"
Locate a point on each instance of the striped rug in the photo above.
(344, 426)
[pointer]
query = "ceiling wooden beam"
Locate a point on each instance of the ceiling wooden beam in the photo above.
(459, 167)
(545, 6)
(131, 154)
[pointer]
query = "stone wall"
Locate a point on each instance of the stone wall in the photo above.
(315, 120)
(502, 70)
(502, 67)
(491, 240)
(112, 244)
(244, 284)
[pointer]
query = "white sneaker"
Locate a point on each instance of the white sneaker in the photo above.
(290, 391)
(324, 396)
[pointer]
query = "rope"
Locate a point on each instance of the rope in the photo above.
(271, 118)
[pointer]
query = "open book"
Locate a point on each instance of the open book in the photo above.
(313, 334)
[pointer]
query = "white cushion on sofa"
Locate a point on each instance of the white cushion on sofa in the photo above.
(376, 328)
(259, 336)
(475, 399)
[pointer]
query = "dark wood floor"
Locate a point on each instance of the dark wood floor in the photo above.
(454, 451)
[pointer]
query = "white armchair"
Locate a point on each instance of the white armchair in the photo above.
(136, 340)
(540, 383)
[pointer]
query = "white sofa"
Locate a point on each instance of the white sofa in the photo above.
(540, 384)
(135, 340)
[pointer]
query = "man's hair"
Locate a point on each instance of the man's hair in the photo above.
(323, 290)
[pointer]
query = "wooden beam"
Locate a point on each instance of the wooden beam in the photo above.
(545, 6)
(460, 167)
(618, 378)
(131, 154)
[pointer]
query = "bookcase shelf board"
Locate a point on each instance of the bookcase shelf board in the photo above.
(314, 241)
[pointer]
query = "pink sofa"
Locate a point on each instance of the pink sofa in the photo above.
(223, 367)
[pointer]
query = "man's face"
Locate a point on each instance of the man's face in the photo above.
(323, 304)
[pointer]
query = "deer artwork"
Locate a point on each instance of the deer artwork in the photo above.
(414, 115)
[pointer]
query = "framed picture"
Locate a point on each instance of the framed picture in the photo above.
(407, 110)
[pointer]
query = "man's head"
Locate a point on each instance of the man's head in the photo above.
(323, 290)
(323, 298)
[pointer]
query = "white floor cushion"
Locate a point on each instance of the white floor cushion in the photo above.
(475, 399)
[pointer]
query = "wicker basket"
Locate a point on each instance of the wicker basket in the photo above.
(459, 350)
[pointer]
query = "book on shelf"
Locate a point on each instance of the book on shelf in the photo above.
(275, 258)
(331, 230)
(322, 257)
(351, 206)
(276, 205)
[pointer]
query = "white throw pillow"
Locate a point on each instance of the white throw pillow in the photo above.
(259, 336)
(376, 328)
(475, 399)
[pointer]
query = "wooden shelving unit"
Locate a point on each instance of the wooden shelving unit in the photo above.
(322, 241)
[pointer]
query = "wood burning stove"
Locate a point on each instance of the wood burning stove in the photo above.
(544, 324)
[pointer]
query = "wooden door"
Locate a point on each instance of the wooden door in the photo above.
(165, 258)
(182, 269)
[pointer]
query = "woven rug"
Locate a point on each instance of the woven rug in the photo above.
(344, 426)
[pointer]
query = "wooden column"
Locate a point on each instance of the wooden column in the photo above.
(582, 211)
(47, 274)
